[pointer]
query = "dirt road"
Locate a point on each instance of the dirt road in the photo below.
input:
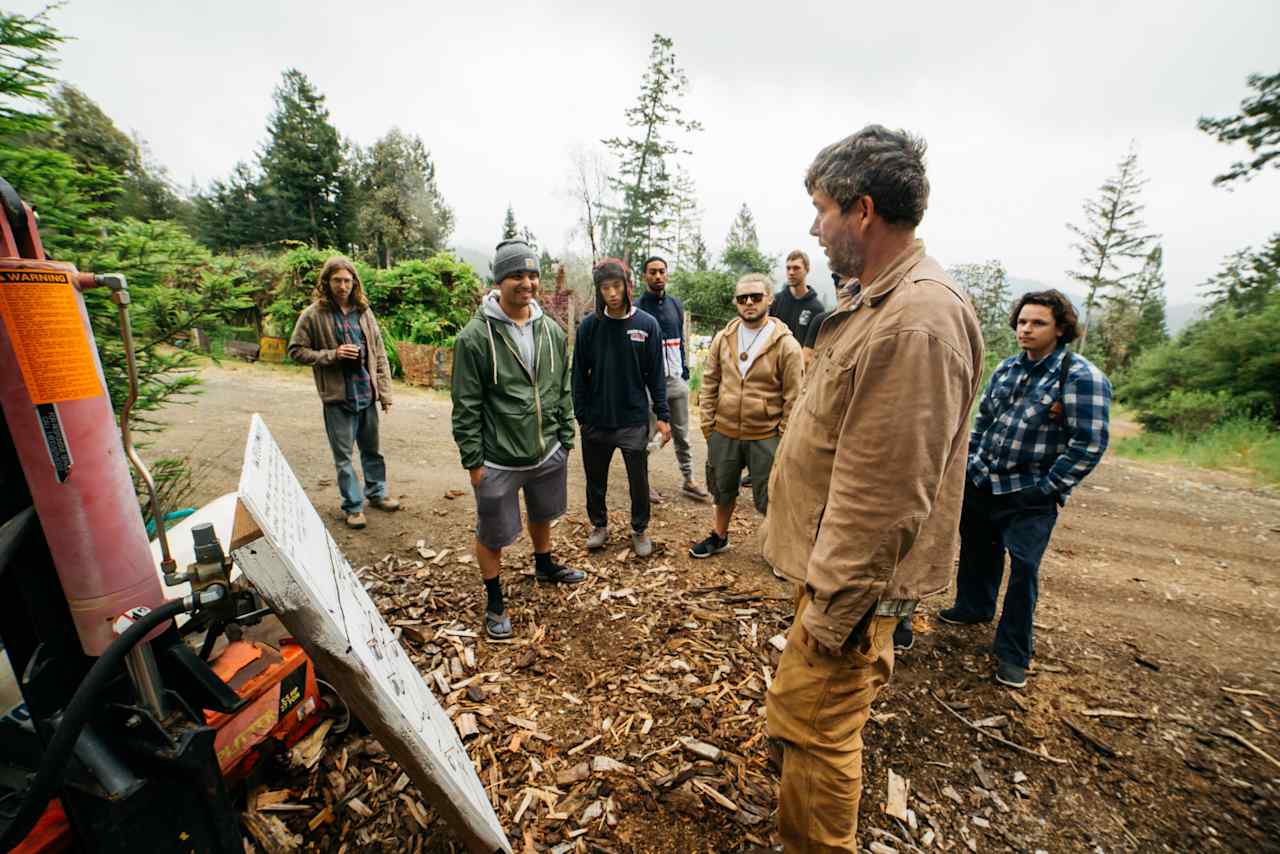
(1157, 678)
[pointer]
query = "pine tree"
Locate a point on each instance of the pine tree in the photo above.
(1148, 295)
(644, 182)
(510, 230)
(988, 287)
(401, 213)
(1257, 125)
(1112, 237)
(27, 46)
(742, 253)
(304, 179)
(1247, 280)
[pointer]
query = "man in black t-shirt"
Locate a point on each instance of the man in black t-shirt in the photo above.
(797, 305)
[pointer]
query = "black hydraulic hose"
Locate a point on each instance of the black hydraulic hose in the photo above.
(83, 703)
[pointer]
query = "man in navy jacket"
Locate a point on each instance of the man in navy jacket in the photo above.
(617, 371)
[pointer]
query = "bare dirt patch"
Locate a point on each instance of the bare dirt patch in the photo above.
(1157, 680)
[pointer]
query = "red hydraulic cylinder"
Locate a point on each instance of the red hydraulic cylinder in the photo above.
(55, 401)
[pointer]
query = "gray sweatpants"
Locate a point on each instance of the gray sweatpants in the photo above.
(678, 400)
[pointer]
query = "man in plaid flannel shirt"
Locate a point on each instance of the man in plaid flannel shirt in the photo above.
(1041, 428)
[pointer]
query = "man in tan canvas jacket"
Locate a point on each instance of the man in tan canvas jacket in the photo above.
(866, 488)
(751, 381)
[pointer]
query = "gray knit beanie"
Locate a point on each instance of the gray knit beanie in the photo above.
(513, 256)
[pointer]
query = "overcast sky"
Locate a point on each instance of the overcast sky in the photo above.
(1027, 107)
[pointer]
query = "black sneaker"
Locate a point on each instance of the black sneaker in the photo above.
(959, 617)
(712, 545)
(561, 574)
(903, 637)
(1010, 674)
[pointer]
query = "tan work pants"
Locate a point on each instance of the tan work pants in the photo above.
(817, 706)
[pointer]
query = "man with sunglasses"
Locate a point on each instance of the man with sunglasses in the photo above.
(751, 379)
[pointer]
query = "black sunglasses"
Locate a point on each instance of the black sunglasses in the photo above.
(743, 299)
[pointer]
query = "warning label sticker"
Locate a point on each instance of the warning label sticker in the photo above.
(42, 315)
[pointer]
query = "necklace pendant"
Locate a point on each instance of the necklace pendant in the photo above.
(742, 356)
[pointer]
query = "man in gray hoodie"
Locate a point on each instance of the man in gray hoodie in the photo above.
(513, 424)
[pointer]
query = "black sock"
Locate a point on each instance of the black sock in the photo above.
(493, 586)
(543, 563)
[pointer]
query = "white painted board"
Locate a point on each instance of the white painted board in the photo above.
(299, 570)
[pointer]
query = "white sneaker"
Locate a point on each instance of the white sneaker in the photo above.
(597, 538)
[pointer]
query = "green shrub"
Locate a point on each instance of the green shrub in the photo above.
(1185, 412)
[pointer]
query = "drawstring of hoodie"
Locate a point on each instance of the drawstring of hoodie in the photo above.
(493, 350)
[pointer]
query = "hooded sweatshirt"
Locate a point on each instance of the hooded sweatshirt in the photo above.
(512, 404)
(615, 361)
(521, 334)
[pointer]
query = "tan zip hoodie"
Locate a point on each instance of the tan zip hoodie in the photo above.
(755, 406)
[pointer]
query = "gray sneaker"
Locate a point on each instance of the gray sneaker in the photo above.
(597, 538)
(641, 544)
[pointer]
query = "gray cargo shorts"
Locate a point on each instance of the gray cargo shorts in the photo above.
(546, 497)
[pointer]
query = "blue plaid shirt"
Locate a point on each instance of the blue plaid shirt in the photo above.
(1017, 443)
(359, 383)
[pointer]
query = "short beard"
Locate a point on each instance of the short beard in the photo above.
(847, 258)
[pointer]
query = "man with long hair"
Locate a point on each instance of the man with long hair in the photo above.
(338, 336)
(617, 359)
(1042, 426)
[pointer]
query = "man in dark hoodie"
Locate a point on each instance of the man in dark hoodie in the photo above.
(669, 313)
(617, 359)
(513, 423)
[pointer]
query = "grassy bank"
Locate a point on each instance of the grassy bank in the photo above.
(1239, 443)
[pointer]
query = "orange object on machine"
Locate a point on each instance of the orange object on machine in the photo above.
(280, 686)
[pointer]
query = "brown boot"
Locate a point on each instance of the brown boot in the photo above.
(356, 520)
(384, 502)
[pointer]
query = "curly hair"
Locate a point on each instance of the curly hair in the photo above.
(886, 165)
(324, 294)
(1064, 313)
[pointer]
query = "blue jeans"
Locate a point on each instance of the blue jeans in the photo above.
(1019, 523)
(345, 429)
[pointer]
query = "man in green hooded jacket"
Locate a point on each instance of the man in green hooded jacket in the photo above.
(513, 423)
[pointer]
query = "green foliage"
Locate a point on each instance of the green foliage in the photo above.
(644, 182)
(1235, 443)
(1257, 125)
(510, 230)
(304, 181)
(174, 287)
(425, 302)
(707, 296)
(1112, 238)
(65, 195)
(27, 47)
(1230, 355)
(84, 131)
(1185, 411)
(988, 288)
(742, 253)
(401, 213)
(1247, 279)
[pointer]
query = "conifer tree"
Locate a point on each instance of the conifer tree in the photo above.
(1112, 238)
(644, 183)
(304, 180)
